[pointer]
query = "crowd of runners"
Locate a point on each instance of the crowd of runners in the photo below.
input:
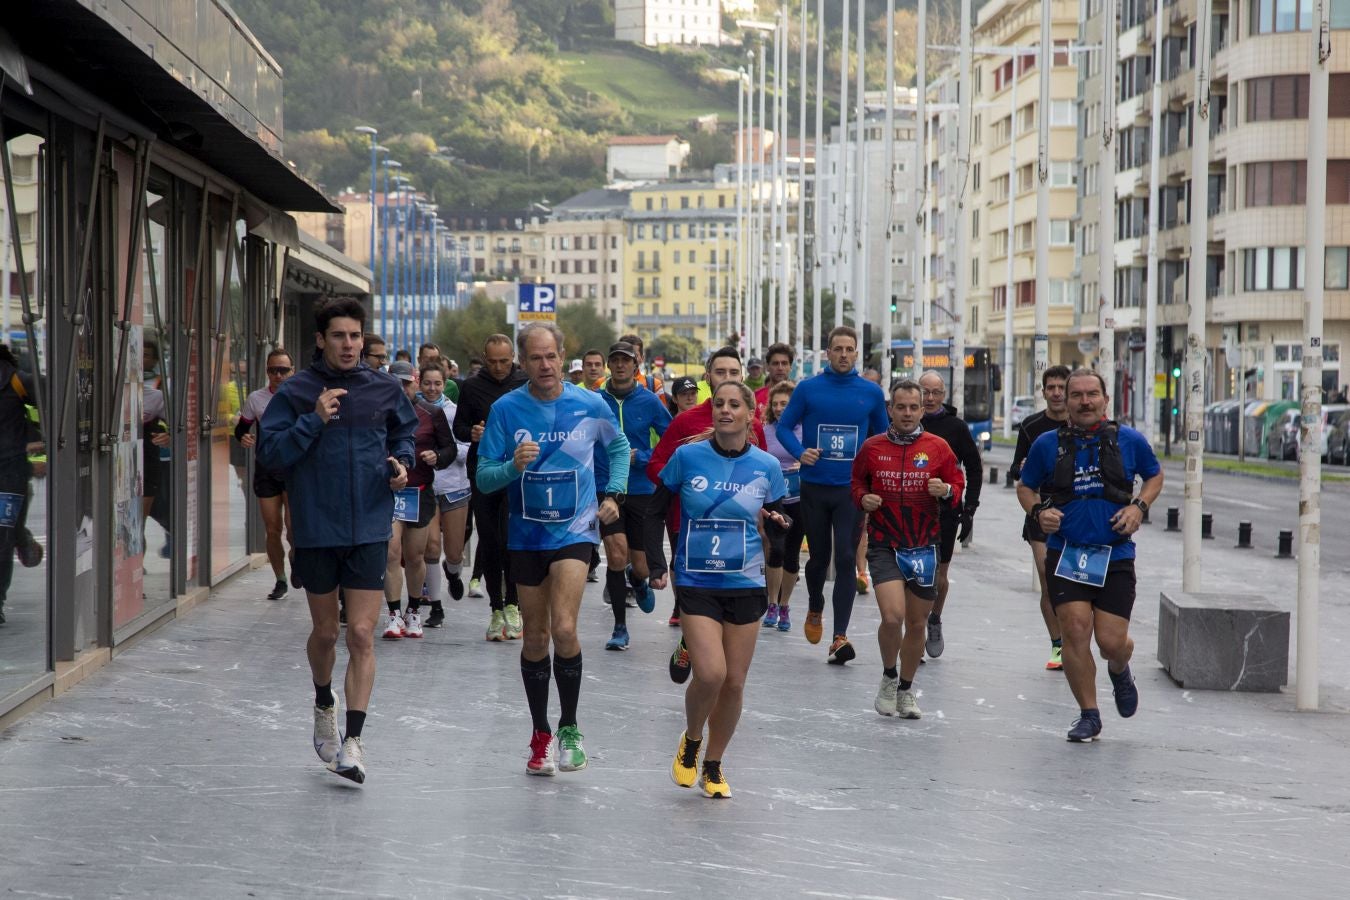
(380, 471)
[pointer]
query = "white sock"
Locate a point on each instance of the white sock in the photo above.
(455, 568)
(434, 578)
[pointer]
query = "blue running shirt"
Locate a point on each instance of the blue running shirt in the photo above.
(720, 500)
(553, 501)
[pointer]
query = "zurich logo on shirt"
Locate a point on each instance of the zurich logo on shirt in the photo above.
(920, 460)
(522, 435)
(699, 483)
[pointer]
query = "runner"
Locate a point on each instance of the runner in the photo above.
(593, 370)
(725, 487)
(780, 357)
(1088, 469)
(837, 410)
(781, 574)
(498, 376)
(269, 487)
(903, 480)
(693, 424)
(539, 447)
(643, 419)
(1054, 415)
(576, 372)
(452, 502)
(683, 395)
(343, 433)
(940, 418)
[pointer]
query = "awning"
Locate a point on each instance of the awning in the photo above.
(91, 52)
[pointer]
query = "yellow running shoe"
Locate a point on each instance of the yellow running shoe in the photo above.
(1056, 660)
(714, 785)
(814, 629)
(862, 582)
(684, 770)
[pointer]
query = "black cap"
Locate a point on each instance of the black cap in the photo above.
(683, 383)
(625, 348)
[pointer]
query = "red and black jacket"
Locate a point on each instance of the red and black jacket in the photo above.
(899, 474)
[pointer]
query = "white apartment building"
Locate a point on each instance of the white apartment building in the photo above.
(654, 22)
(656, 157)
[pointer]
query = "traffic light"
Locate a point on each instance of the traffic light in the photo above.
(894, 304)
(1176, 372)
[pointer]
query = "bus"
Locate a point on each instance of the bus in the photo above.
(983, 380)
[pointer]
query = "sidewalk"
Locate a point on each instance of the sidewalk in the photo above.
(184, 768)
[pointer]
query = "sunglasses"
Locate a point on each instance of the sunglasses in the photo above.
(278, 370)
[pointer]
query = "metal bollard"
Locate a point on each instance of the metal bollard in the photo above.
(1207, 526)
(1286, 550)
(1244, 536)
(993, 474)
(1011, 482)
(1173, 519)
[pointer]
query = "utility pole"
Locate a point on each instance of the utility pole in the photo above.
(1042, 333)
(820, 244)
(1154, 288)
(962, 241)
(784, 257)
(1309, 465)
(840, 269)
(775, 200)
(801, 192)
(888, 327)
(1010, 292)
(919, 264)
(741, 242)
(1106, 209)
(861, 231)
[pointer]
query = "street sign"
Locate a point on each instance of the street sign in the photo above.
(659, 362)
(537, 303)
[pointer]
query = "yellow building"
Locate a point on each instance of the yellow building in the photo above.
(679, 259)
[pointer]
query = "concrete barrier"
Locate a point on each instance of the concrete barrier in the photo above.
(1223, 642)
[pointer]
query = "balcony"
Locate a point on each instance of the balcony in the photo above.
(647, 293)
(647, 266)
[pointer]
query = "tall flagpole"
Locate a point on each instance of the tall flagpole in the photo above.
(962, 243)
(919, 264)
(1106, 211)
(800, 279)
(888, 324)
(860, 223)
(775, 198)
(1045, 62)
(842, 193)
(784, 257)
(739, 295)
(1010, 292)
(821, 246)
(757, 320)
(1153, 287)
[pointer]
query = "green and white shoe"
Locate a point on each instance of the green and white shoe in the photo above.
(571, 755)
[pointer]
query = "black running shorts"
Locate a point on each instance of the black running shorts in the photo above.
(529, 568)
(742, 606)
(323, 570)
(951, 524)
(1116, 596)
(267, 484)
(881, 563)
(629, 523)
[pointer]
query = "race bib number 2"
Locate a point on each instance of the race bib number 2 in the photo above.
(715, 545)
(837, 442)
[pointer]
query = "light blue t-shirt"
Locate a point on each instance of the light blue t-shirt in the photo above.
(553, 501)
(720, 500)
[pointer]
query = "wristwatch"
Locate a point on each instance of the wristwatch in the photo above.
(617, 496)
(1137, 501)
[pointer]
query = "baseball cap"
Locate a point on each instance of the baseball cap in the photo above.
(623, 347)
(576, 366)
(755, 361)
(683, 383)
(403, 370)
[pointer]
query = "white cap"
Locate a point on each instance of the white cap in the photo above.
(576, 366)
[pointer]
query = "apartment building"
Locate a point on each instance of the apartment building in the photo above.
(679, 258)
(653, 22)
(584, 251)
(499, 244)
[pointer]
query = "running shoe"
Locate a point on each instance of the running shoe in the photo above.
(814, 629)
(1086, 729)
(1056, 661)
(934, 645)
(1127, 695)
(886, 696)
(906, 705)
(714, 785)
(474, 590)
(496, 630)
(571, 755)
(350, 761)
(684, 770)
(436, 618)
(279, 590)
(784, 623)
(395, 629)
(771, 617)
(455, 582)
(326, 739)
(862, 582)
(619, 639)
(412, 625)
(674, 620)
(841, 651)
(642, 590)
(541, 755)
(629, 600)
(679, 663)
(514, 625)
(29, 553)
(592, 577)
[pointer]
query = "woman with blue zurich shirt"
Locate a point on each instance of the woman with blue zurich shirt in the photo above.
(725, 487)
(837, 410)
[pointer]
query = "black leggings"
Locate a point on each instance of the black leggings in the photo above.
(788, 557)
(492, 511)
(832, 521)
(14, 475)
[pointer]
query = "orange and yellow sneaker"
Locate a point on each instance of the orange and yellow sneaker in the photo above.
(814, 629)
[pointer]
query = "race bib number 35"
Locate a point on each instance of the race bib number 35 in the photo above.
(715, 545)
(1084, 564)
(838, 442)
(549, 496)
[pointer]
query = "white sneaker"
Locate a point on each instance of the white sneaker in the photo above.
(474, 590)
(326, 740)
(886, 696)
(395, 629)
(351, 761)
(412, 625)
(906, 706)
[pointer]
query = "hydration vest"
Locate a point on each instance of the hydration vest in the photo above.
(1116, 486)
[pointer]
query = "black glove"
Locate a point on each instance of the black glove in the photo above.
(967, 524)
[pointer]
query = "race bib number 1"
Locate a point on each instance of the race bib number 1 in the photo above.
(407, 504)
(1084, 564)
(549, 496)
(837, 442)
(715, 545)
(918, 564)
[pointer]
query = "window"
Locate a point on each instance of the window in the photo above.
(1063, 112)
(1279, 268)
(1000, 243)
(1002, 131)
(1061, 292)
(642, 232)
(1000, 188)
(684, 203)
(1061, 232)
(693, 286)
(974, 223)
(1026, 118)
(1063, 173)
(677, 257)
(677, 282)
(974, 177)
(1282, 183)
(675, 231)
(1026, 180)
(649, 202)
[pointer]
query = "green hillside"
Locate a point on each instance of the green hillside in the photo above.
(656, 96)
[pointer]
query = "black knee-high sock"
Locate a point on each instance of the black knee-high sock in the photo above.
(535, 674)
(568, 673)
(356, 721)
(617, 586)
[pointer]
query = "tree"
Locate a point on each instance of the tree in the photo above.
(460, 332)
(585, 328)
(675, 349)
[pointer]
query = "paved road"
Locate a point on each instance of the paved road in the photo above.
(184, 767)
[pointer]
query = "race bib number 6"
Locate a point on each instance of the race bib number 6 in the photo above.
(1084, 564)
(715, 545)
(549, 496)
(837, 442)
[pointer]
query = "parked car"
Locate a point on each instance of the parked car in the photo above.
(1021, 408)
(1338, 440)
(1283, 440)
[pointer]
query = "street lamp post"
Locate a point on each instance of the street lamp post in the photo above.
(371, 134)
(384, 245)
